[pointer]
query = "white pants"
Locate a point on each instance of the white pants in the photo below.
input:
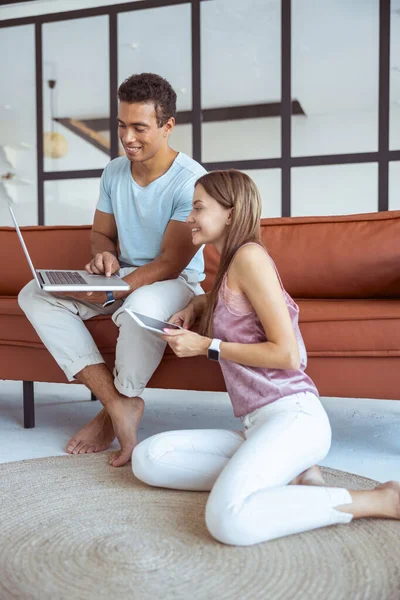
(59, 324)
(248, 474)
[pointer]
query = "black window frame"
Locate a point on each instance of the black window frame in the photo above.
(383, 156)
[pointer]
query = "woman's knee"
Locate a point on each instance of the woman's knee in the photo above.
(145, 458)
(222, 522)
(140, 461)
(229, 524)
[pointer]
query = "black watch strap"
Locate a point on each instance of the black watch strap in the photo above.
(110, 299)
(213, 351)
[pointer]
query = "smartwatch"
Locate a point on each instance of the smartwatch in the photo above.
(213, 350)
(110, 299)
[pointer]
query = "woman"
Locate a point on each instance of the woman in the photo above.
(263, 360)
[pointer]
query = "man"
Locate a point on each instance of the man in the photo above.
(139, 228)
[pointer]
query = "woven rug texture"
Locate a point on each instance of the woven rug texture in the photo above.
(72, 527)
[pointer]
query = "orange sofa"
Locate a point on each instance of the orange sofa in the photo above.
(344, 272)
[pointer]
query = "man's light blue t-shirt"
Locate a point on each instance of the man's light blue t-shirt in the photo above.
(143, 213)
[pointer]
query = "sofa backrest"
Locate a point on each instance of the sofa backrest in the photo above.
(63, 247)
(352, 256)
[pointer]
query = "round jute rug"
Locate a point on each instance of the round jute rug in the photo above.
(72, 527)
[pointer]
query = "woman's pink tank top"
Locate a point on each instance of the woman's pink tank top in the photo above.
(250, 388)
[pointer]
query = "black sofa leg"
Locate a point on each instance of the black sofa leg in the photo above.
(29, 405)
(92, 397)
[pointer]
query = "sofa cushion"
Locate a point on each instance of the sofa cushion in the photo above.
(350, 327)
(329, 327)
(15, 327)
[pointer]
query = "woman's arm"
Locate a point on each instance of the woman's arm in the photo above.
(253, 274)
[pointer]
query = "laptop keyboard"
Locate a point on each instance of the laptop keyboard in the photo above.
(65, 277)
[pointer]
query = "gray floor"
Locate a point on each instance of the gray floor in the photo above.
(366, 433)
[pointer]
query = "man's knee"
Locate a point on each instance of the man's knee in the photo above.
(26, 296)
(143, 301)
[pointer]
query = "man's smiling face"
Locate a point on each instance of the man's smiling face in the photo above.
(139, 132)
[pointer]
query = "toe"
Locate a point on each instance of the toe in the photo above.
(71, 445)
(122, 459)
(113, 457)
(78, 447)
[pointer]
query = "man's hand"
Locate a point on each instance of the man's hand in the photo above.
(186, 343)
(104, 263)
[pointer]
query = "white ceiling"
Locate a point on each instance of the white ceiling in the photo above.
(334, 57)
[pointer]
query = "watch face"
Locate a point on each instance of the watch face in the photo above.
(213, 354)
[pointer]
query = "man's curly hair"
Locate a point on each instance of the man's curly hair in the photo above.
(150, 88)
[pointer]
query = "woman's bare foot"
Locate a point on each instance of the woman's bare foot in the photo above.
(383, 502)
(96, 436)
(311, 476)
(125, 414)
(390, 499)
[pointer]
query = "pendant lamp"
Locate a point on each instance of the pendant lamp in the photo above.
(54, 144)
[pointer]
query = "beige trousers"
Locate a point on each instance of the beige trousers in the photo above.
(59, 322)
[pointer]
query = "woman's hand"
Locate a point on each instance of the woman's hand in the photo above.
(186, 343)
(184, 318)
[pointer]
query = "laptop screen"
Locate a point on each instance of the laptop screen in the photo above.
(24, 248)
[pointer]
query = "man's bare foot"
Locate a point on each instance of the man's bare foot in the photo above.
(311, 476)
(96, 436)
(125, 414)
(390, 499)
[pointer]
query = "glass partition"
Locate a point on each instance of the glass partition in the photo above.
(335, 76)
(18, 165)
(335, 189)
(76, 96)
(240, 79)
(394, 185)
(269, 183)
(394, 120)
(71, 201)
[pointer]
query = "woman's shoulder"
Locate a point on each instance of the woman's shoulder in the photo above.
(250, 254)
(249, 263)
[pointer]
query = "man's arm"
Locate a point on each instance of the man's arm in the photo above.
(104, 235)
(177, 250)
(103, 241)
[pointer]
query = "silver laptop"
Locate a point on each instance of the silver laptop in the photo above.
(69, 281)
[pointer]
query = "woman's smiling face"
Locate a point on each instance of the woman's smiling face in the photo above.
(209, 219)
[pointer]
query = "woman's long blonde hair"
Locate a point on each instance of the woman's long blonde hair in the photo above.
(231, 189)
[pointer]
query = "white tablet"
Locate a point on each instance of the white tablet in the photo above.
(154, 325)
